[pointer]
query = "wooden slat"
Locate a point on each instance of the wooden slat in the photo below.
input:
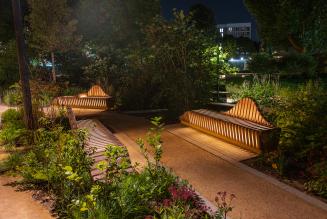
(247, 109)
(95, 98)
(243, 125)
(98, 138)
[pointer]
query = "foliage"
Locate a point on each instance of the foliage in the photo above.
(13, 96)
(318, 185)
(224, 205)
(182, 202)
(51, 32)
(262, 89)
(240, 46)
(171, 57)
(301, 116)
(262, 63)
(203, 16)
(172, 60)
(6, 22)
(297, 64)
(12, 163)
(290, 65)
(115, 24)
(13, 132)
(154, 138)
(118, 162)
(58, 160)
(8, 64)
(72, 91)
(300, 24)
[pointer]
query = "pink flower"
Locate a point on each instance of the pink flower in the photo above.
(166, 202)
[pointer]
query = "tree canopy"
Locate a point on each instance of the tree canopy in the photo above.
(52, 27)
(203, 16)
(301, 25)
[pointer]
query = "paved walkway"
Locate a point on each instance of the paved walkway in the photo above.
(19, 205)
(258, 197)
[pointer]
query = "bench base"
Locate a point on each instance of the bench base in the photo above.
(222, 137)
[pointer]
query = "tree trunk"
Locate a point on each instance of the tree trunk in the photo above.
(295, 44)
(23, 64)
(54, 77)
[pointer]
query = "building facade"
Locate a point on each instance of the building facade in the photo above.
(235, 29)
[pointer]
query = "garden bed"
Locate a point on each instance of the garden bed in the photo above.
(296, 182)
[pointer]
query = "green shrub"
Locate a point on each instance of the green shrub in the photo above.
(12, 117)
(72, 91)
(13, 96)
(12, 163)
(13, 132)
(134, 194)
(303, 121)
(318, 184)
(58, 160)
(290, 65)
(262, 63)
(262, 89)
(297, 64)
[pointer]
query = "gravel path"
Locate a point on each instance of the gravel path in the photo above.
(257, 196)
(19, 205)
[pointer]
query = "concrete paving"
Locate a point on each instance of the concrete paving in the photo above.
(19, 205)
(258, 197)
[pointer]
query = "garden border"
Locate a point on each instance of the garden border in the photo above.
(306, 197)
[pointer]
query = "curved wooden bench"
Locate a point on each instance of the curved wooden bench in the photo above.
(95, 98)
(243, 125)
(98, 138)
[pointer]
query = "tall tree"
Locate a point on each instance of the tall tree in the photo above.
(23, 64)
(203, 16)
(53, 28)
(115, 23)
(299, 24)
(6, 21)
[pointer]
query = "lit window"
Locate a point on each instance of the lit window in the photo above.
(230, 29)
(221, 30)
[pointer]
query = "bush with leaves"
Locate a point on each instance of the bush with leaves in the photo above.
(289, 65)
(262, 63)
(303, 121)
(13, 95)
(297, 64)
(13, 132)
(58, 161)
(263, 89)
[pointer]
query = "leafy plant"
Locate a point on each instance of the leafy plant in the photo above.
(224, 204)
(12, 162)
(262, 89)
(58, 161)
(13, 96)
(13, 132)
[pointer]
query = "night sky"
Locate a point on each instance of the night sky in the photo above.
(226, 11)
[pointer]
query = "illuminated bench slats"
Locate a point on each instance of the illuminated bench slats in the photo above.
(243, 125)
(95, 98)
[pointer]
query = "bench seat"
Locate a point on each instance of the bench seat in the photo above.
(95, 98)
(243, 125)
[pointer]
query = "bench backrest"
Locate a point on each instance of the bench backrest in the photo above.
(96, 91)
(247, 109)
